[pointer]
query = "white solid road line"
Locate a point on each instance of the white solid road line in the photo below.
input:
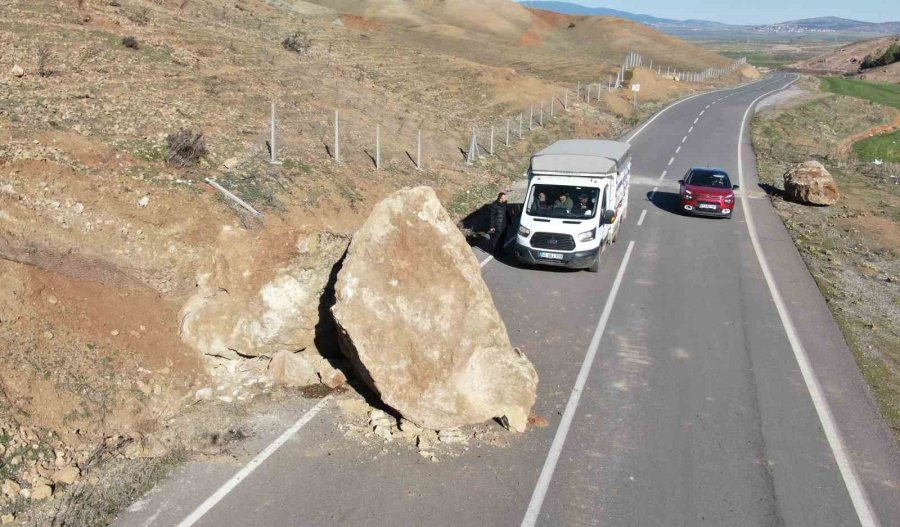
(252, 465)
(641, 219)
(855, 489)
(559, 440)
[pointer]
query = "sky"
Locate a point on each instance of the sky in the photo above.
(756, 11)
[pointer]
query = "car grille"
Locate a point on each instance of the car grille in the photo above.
(551, 240)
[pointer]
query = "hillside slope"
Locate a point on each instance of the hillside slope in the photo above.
(103, 240)
(847, 60)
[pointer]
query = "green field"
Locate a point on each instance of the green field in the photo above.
(885, 147)
(882, 93)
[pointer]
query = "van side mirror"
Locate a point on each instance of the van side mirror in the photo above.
(608, 216)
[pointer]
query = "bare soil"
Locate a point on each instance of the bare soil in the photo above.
(101, 240)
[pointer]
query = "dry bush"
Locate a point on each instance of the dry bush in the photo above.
(131, 42)
(185, 148)
(44, 60)
(298, 42)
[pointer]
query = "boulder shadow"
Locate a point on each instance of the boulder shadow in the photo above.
(771, 190)
(328, 342)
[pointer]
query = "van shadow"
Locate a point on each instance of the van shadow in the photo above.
(667, 201)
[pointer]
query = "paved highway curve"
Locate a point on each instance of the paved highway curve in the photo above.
(685, 384)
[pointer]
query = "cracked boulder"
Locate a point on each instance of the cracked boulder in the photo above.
(419, 324)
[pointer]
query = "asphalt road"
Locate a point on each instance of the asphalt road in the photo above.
(716, 391)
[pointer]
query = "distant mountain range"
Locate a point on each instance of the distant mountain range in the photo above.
(828, 24)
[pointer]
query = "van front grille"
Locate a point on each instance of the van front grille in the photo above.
(553, 241)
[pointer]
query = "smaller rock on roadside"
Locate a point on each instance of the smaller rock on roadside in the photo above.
(143, 202)
(17, 71)
(810, 182)
(41, 491)
(6, 519)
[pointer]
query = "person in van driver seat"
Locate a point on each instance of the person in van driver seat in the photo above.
(583, 207)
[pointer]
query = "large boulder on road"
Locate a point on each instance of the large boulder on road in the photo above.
(419, 324)
(810, 182)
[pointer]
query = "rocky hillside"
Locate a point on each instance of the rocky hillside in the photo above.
(848, 60)
(125, 271)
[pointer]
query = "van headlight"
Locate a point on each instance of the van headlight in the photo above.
(587, 236)
(524, 231)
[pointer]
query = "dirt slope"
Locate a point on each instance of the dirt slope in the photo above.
(102, 240)
(846, 60)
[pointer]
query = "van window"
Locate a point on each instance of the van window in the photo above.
(562, 201)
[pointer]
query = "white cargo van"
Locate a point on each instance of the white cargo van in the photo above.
(577, 198)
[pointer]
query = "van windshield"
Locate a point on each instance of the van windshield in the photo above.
(562, 201)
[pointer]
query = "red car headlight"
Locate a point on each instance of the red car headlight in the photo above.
(729, 199)
(688, 195)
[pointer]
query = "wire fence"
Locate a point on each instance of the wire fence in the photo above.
(487, 137)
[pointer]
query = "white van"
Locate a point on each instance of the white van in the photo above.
(577, 198)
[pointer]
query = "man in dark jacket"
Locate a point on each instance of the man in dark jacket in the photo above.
(498, 222)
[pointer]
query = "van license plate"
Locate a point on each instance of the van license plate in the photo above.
(550, 256)
(707, 206)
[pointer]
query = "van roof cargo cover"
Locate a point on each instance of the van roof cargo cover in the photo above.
(580, 156)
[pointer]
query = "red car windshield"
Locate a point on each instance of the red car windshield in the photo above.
(708, 178)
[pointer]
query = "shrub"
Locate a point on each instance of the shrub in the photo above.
(131, 42)
(298, 43)
(44, 60)
(185, 148)
(890, 56)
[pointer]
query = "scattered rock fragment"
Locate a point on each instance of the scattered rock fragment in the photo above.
(810, 182)
(420, 325)
(230, 163)
(292, 369)
(6, 519)
(10, 488)
(66, 476)
(143, 202)
(452, 436)
(17, 71)
(41, 491)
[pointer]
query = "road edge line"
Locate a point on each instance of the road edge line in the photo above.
(857, 492)
(242, 474)
(559, 439)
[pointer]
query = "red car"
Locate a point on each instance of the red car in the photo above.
(706, 192)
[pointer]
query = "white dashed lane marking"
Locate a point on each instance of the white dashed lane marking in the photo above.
(678, 150)
(695, 120)
(683, 139)
(641, 219)
(671, 160)
(663, 174)
(691, 129)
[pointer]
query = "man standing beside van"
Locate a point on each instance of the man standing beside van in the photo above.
(498, 221)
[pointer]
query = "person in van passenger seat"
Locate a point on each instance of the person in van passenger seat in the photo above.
(540, 204)
(563, 202)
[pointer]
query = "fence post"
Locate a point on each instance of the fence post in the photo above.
(651, 64)
(566, 103)
(507, 131)
(491, 151)
(337, 138)
(272, 136)
(472, 154)
(377, 146)
(552, 101)
(578, 92)
(531, 118)
(542, 115)
(419, 150)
